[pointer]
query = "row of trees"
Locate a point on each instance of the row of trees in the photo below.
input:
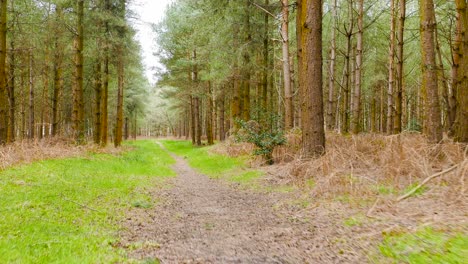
(378, 66)
(64, 65)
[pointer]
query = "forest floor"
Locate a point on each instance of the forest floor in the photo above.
(175, 203)
(203, 220)
(219, 213)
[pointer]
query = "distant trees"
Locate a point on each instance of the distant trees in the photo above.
(52, 86)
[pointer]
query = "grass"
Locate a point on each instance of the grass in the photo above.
(68, 210)
(214, 165)
(426, 246)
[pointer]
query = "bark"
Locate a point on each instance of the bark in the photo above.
(332, 70)
(457, 54)
(265, 60)
(236, 99)
(192, 119)
(198, 126)
(11, 94)
(120, 98)
(98, 101)
(209, 116)
(398, 124)
(3, 84)
(78, 104)
(347, 88)
(58, 83)
(222, 110)
(288, 93)
(391, 70)
(120, 78)
(31, 125)
(432, 124)
(461, 119)
(355, 128)
(105, 83)
(246, 74)
(313, 133)
(43, 131)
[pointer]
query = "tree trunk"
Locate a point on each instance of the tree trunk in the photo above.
(222, 110)
(288, 93)
(105, 83)
(209, 116)
(11, 94)
(98, 101)
(391, 69)
(32, 128)
(58, 83)
(331, 77)
(457, 54)
(313, 133)
(192, 119)
(347, 88)
(78, 104)
(246, 72)
(3, 84)
(461, 119)
(120, 97)
(432, 124)
(397, 127)
(265, 60)
(355, 128)
(120, 78)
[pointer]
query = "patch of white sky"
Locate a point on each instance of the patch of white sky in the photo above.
(148, 12)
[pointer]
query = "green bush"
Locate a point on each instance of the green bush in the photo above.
(264, 138)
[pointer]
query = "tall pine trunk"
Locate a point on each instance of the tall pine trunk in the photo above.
(391, 69)
(397, 127)
(461, 119)
(356, 107)
(313, 133)
(332, 71)
(78, 104)
(3, 84)
(120, 78)
(288, 93)
(432, 124)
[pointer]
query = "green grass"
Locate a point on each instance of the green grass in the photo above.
(213, 165)
(426, 246)
(68, 210)
(418, 192)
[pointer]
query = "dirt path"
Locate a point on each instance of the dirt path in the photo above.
(201, 220)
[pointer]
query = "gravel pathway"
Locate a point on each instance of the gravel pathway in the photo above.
(201, 220)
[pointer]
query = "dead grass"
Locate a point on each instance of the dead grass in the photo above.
(361, 177)
(360, 165)
(27, 151)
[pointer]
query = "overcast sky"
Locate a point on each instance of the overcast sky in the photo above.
(149, 11)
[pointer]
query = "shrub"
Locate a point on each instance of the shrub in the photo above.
(264, 138)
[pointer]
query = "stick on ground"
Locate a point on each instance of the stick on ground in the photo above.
(408, 194)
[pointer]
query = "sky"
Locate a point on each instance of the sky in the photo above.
(148, 11)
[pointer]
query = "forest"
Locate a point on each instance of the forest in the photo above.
(274, 131)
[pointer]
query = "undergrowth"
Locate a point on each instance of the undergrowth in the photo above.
(67, 210)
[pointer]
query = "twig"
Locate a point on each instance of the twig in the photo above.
(369, 212)
(82, 205)
(264, 10)
(408, 194)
